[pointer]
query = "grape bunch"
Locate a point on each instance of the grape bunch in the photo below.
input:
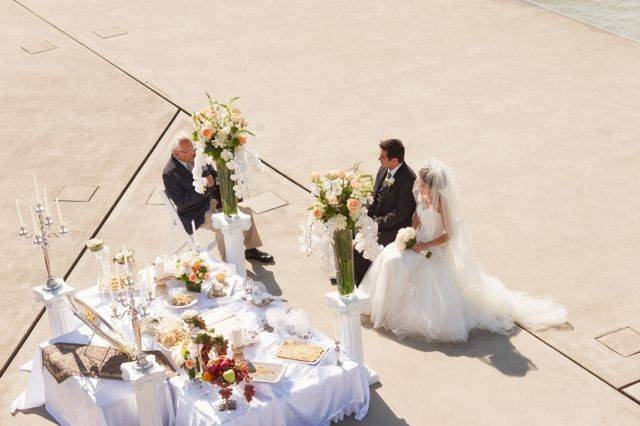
(249, 392)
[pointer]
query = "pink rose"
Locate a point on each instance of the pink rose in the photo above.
(355, 183)
(192, 277)
(242, 140)
(333, 200)
(190, 363)
(353, 204)
(341, 174)
(317, 213)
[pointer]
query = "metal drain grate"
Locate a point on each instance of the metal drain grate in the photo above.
(264, 202)
(109, 32)
(155, 198)
(39, 47)
(625, 342)
(77, 193)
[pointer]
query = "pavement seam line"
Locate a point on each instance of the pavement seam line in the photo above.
(101, 56)
(139, 81)
(33, 324)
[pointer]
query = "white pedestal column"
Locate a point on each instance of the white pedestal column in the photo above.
(232, 230)
(348, 327)
(61, 319)
(147, 387)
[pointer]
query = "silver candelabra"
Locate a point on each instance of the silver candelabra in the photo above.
(42, 239)
(136, 310)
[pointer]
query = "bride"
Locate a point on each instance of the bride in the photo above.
(435, 290)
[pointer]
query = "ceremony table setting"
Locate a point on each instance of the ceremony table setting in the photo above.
(257, 324)
(191, 340)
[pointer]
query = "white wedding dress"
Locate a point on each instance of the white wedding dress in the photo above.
(442, 299)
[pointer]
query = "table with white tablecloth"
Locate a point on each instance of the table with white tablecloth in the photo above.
(305, 395)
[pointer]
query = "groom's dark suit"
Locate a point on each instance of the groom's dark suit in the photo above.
(392, 208)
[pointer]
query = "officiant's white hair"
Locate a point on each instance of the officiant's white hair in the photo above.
(175, 142)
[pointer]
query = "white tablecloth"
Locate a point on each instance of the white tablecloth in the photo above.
(306, 395)
(84, 400)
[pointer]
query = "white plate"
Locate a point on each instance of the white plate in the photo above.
(282, 367)
(193, 294)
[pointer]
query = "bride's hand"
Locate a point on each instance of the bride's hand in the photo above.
(418, 247)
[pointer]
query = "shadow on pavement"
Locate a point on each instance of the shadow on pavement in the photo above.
(265, 276)
(492, 349)
(379, 412)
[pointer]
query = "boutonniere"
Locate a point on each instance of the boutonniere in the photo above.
(388, 182)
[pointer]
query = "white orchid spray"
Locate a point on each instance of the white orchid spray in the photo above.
(341, 197)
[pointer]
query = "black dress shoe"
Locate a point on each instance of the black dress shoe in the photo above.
(260, 256)
(333, 281)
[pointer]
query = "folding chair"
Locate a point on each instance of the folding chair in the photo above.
(178, 231)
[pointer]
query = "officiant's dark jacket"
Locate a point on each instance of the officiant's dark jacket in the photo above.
(178, 183)
(393, 206)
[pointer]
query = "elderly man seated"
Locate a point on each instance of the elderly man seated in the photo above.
(178, 183)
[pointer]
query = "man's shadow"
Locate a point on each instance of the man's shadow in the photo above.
(258, 272)
(492, 349)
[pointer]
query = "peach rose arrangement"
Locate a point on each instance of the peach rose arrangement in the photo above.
(193, 270)
(341, 199)
(220, 135)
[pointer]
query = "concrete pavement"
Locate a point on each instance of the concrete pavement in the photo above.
(536, 112)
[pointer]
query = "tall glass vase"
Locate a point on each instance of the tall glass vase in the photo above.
(227, 193)
(343, 249)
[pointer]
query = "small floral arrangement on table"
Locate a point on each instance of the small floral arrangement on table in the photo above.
(192, 269)
(123, 256)
(186, 356)
(95, 245)
(226, 372)
(193, 319)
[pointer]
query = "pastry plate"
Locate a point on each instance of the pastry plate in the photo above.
(266, 372)
(324, 349)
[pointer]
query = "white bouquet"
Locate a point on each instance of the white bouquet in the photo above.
(406, 238)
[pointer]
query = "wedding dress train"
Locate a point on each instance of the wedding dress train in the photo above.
(445, 296)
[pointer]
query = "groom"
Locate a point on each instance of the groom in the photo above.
(393, 201)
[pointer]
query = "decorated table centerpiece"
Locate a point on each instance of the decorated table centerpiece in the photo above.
(192, 269)
(225, 373)
(339, 209)
(220, 136)
(101, 251)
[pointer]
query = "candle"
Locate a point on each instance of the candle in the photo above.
(19, 213)
(195, 238)
(46, 201)
(35, 183)
(59, 212)
(237, 337)
(33, 219)
(158, 266)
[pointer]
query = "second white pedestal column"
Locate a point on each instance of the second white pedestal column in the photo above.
(233, 231)
(348, 327)
(147, 387)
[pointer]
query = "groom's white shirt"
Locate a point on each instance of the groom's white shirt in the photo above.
(393, 171)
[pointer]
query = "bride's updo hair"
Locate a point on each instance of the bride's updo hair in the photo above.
(432, 175)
